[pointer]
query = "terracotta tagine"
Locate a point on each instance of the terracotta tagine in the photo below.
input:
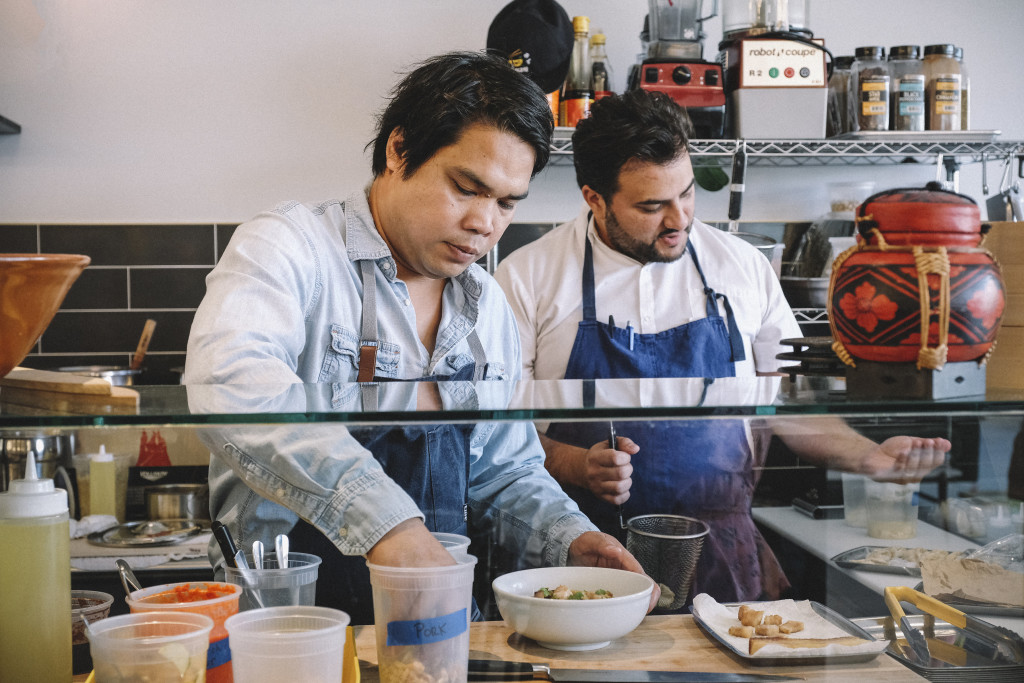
(918, 287)
(32, 287)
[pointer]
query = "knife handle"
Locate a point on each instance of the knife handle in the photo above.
(497, 670)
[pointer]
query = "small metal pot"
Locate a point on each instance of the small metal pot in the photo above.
(178, 501)
(117, 375)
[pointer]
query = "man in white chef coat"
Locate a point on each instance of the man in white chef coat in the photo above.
(636, 287)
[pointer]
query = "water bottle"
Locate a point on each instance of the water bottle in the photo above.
(35, 572)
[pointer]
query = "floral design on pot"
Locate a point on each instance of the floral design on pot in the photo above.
(918, 286)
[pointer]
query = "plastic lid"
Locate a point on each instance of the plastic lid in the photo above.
(947, 49)
(905, 52)
(598, 38)
(32, 496)
(872, 51)
(580, 24)
(102, 456)
(844, 62)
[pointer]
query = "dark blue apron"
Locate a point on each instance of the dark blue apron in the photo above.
(430, 462)
(696, 468)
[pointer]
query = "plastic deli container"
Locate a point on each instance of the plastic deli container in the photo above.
(218, 601)
(289, 643)
(161, 647)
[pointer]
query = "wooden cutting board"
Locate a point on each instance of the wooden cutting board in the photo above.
(27, 378)
(63, 392)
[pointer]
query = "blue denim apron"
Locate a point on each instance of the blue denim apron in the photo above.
(430, 462)
(696, 468)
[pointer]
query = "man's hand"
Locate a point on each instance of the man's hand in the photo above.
(904, 459)
(595, 549)
(409, 544)
(607, 471)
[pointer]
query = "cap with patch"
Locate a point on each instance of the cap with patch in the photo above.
(536, 37)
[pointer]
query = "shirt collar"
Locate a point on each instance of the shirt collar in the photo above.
(363, 241)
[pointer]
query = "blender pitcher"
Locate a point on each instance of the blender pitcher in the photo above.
(675, 27)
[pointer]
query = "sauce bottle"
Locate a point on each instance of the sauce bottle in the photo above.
(906, 110)
(35, 572)
(577, 95)
(942, 88)
(600, 69)
(838, 119)
(871, 89)
(103, 489)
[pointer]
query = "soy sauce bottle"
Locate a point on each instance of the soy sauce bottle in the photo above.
(577, 96)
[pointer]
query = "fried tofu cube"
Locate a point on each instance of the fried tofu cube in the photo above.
(791, 627)
(741, 631)
(766, 630)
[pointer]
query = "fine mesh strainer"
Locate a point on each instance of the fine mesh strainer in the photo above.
(667, 547)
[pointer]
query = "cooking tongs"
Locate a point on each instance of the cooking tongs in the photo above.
(1008, 645)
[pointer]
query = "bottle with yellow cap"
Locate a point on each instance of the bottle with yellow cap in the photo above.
(577, 95)
(600, 69)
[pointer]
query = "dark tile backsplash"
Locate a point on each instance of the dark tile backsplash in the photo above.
(140, 272)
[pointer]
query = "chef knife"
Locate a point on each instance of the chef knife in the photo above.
(498, 670)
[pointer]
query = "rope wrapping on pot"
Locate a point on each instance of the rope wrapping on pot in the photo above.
(933, 263)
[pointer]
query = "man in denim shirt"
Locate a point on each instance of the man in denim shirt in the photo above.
(384, 286)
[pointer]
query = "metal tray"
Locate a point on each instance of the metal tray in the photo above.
(825, 613)
(957, 655)
(969, 607)
(921, 135)
(852, 559)
(147, 534)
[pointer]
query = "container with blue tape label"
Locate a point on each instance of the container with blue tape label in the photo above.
(426, 631)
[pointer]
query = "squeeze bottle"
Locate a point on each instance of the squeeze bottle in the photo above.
(35, 572)
(103, 485)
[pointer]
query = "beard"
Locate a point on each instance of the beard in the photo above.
(644, 252)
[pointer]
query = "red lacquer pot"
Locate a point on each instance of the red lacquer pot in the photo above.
(918, 286)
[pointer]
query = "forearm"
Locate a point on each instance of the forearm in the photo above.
(826, 441)
(565, 462)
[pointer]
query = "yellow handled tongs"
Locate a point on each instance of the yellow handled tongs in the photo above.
(1007, 644)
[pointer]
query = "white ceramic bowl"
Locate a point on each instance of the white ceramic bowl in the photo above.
(573, 624)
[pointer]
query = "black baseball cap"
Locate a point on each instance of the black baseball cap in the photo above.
(536, 37)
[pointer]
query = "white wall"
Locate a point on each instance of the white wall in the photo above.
(148, 111)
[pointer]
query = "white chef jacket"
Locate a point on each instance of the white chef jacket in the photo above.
(543, 284)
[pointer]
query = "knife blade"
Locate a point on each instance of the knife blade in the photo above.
(498, 670)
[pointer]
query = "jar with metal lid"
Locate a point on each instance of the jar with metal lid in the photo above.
(838, 120)
(871, 88)
(906, 100)
(965, 90)
(942, 88)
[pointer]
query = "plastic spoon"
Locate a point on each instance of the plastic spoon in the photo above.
(257, 554)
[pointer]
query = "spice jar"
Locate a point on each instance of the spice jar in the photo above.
(965, 90)
(838, 120)
(906, 101)
(871, 90)
(942, 88)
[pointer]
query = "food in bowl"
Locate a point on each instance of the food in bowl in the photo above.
(573, 624)
(563, 593)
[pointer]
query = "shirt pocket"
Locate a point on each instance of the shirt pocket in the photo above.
(341, 358)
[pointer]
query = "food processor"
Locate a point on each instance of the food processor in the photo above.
(776, 73)
(674, 63)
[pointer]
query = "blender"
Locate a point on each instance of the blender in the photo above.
(674, 63)
(776, 75)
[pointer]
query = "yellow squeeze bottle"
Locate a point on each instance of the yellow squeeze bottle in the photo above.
(103, 484)
(35, 573)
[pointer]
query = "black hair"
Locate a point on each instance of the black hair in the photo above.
(441, 96)
(637, 125)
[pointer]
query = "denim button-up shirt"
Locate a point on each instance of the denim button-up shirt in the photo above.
(283, 306)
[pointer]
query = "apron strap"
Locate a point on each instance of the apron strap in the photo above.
(367, 364)
(711, 306)
(368, 333)
(589, 299)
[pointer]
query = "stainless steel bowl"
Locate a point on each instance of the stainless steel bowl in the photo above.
(117, 375)
(805, 292)
(178, 501)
